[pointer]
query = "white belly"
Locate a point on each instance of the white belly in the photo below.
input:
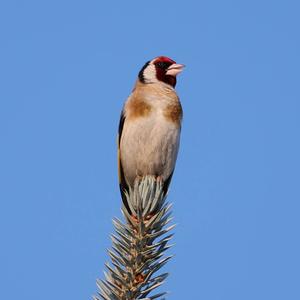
(149, 146)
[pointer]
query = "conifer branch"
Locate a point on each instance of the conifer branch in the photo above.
(138, 245)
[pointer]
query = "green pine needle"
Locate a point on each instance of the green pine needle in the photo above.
(139, 245)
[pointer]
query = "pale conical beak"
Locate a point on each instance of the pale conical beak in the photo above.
(174, 69)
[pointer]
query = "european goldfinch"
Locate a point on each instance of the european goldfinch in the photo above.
(150, 124)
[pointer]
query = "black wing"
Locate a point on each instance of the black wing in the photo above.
(124, 188)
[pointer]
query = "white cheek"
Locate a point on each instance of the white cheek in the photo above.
(150, 74)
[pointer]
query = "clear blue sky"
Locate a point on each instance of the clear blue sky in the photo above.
(65, 69)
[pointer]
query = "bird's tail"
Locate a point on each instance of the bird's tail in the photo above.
(124, 190)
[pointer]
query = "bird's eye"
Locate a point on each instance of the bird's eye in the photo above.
(162, 65)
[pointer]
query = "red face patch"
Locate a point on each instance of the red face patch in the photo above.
(164, 59)
(162, 63)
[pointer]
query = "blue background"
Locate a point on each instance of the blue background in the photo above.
(66, 68)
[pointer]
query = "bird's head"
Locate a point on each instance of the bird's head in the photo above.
(160, 69)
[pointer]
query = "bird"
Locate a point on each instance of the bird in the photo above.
(150, 126)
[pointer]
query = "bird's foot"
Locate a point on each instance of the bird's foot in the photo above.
(159, 179)
(135, 219)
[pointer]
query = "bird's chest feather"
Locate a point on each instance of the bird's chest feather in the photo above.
(149, 136)
(151, 131)
(149, 145)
